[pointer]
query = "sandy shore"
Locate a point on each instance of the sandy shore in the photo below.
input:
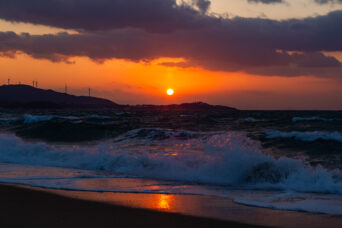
(22, 207)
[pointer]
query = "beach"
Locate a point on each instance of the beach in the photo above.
(23, 207)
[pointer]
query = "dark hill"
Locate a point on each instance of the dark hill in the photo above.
(12, 96)
(24, 96)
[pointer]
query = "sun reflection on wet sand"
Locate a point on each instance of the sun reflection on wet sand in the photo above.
(164, 202)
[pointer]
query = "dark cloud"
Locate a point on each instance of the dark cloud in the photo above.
(328, 1)
(203, 5)
(152, 15)
(267, 1)
(268, 47)
(138, 45)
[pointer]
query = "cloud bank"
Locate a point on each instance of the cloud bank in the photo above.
(327, 1)
(143, 30)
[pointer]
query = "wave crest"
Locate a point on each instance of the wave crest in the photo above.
(229, 159)
(305, 136)
(313, 118)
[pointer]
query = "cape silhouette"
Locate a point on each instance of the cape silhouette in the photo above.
(12, 96)
(25, 96)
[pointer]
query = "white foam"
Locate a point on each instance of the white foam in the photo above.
(4, 121)
(250, 119)
(313, 118)
(229, 159)
(30, 119)
(120, 113)
(158, 134)
(305, 136)
(313, 203)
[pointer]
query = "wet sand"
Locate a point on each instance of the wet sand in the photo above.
(26, 207)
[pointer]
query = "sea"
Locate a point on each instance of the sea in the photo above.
(282, 160)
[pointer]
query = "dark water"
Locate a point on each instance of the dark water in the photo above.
(316, 135)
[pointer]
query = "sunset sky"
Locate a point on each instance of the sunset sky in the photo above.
(249, 54)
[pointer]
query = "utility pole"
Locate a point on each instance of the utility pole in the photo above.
(33, 83)
(8, 81)
(89, 92)
(36, 84)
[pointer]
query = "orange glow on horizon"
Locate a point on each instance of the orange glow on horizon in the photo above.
(126, 82)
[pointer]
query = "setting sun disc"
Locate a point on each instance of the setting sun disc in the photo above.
(170, 92)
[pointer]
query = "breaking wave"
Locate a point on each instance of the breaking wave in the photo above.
(313, 118)
(313, 203)
(30, 119)
(161, 134)
(228, 159)
(33, 119)
(305, 136)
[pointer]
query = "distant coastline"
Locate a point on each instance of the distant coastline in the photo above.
(29, 97)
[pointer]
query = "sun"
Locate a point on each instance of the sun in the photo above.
(170, 92)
